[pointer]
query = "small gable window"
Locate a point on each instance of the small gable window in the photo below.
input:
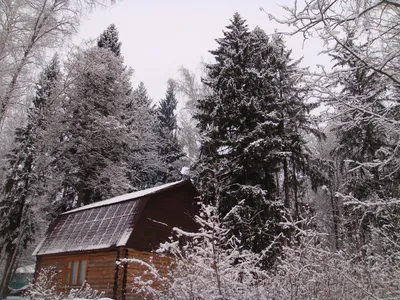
(75, 271)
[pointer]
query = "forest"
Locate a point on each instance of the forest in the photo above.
(298, 169)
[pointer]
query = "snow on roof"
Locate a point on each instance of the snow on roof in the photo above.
(130, 196)
(30, 269)
(100, 225)
(97, 228)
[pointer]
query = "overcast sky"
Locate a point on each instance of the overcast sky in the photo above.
(159, 36)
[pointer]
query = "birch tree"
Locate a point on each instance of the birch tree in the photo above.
(28, 29)
(365, 34)
(18, 207)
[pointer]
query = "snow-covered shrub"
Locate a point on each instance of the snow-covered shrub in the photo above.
(209, 266)
(45, 288)
(313, 271)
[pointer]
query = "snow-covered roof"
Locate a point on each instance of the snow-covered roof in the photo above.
(100, 225)
(30, 269)
(129, 196)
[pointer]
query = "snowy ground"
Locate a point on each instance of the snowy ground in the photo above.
(22, 298)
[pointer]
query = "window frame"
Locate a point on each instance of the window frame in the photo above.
(67, 270)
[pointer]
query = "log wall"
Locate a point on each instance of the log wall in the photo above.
(101, 271)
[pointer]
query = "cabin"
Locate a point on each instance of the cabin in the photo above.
(85, 244)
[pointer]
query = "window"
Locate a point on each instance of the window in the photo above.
(75, 271)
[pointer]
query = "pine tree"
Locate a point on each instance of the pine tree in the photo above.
(170, 149)
(17, 213)
(167, 108)
(109, 39)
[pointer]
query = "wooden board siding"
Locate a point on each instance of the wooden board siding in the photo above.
(175, 207)
(134, 269)
(100, 269)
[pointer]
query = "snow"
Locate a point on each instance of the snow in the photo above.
(129, 196)
(158, 222)
(30, 269)
(124, 238)
(22, 298)
(35, 252)
(88, 299)
(185, 171)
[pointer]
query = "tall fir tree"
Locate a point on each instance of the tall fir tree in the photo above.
(170, 150)
(252, 126)
(236, 171)
(18, 211)
(93, 156)
(293, 115)
(360, 140)
(145, 161)
(110, 39)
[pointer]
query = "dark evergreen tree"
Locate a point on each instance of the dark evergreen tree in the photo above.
(109, 39)
(166, 114)
(292, 113)
(17, 207)
(95, 142)
(145, 161)
(252, 128)
(170, 149)
(237, 168)
(360, 139)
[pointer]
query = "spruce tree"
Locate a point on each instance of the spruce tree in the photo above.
(170, 149)
(236, 170)
(17, 208)
(292, 113)
(145, 162)
(93, 155)
(252, 128)
(360, 140)
(110, 39)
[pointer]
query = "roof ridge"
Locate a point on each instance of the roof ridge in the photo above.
(128, 196)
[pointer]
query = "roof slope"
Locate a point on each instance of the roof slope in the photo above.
(130, 196)
(100, 225)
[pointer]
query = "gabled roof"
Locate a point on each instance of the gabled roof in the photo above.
(130, 196)
(100, 225)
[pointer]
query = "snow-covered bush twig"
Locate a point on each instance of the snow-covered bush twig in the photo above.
(209, 266)
(45, 288)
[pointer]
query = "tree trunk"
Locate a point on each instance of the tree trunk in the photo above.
(41, 20)
(286, 183)
(295, 194)
(335, 217)
(9, 272)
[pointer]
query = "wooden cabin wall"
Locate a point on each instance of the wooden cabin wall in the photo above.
(100, 270)
(135, 269)
(172, 208)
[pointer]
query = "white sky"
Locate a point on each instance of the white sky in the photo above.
(159, 36)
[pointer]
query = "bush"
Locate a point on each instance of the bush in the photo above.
(45, 288)
(211, 266)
